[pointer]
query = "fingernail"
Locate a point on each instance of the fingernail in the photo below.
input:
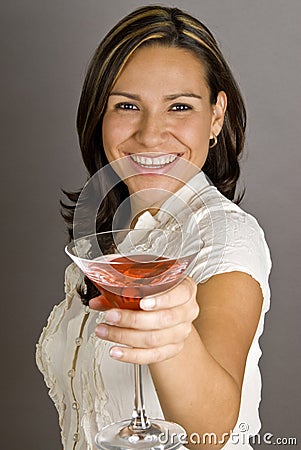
(112, 317)
(147, 303)
(102, 331)
(116, 353)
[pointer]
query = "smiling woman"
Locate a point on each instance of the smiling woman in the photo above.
(174, 120)
(159, 95)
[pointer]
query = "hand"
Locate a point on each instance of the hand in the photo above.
(155, 333)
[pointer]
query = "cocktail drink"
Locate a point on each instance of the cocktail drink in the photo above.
(126, 265)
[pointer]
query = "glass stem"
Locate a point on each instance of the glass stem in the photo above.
(139, 420)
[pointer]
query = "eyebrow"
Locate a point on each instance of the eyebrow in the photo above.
(167, 97)
(182, 94)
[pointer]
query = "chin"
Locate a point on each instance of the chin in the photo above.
(142, 183)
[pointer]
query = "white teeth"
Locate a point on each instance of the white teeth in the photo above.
(158, 161)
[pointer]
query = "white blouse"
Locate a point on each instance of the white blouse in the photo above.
(90, 389)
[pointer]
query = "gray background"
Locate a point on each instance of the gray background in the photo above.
(46, 47)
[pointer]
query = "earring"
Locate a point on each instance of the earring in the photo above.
(214, 141)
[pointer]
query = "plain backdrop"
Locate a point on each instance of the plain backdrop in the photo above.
(46, 49)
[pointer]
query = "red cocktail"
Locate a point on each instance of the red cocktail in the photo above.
(126, 265)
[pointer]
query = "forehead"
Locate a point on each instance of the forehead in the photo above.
(157, 66)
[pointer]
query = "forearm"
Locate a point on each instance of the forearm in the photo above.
(198, 378)
(196, 391)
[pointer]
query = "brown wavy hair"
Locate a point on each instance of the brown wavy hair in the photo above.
(169, 27)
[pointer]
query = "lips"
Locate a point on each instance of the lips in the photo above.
(153, 162)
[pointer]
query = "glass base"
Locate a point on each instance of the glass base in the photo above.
(161, 435)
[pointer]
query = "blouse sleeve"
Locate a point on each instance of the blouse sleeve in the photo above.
(244, 249)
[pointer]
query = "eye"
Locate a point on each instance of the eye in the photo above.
(180, 107)
(126, 106)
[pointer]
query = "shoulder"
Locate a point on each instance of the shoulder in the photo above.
(233, 240)
(246, 244)
(237, 229)
(73, 278)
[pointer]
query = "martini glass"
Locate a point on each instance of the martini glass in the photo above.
(126, 265)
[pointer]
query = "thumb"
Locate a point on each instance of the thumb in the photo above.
(99, 303)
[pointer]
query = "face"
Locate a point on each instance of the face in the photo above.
(159, 114)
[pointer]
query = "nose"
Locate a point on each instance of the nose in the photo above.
(151, 131)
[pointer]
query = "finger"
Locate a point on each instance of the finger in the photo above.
(144, 339)
(99, 303)
(145, 356)
(152, 320)
(176, 296)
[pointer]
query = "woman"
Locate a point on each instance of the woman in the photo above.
(159, 92)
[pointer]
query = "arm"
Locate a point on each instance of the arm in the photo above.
(202, 362)
(208, 373)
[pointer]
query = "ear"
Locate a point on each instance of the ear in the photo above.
(218, 114)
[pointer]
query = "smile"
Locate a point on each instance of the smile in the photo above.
(156, 162)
